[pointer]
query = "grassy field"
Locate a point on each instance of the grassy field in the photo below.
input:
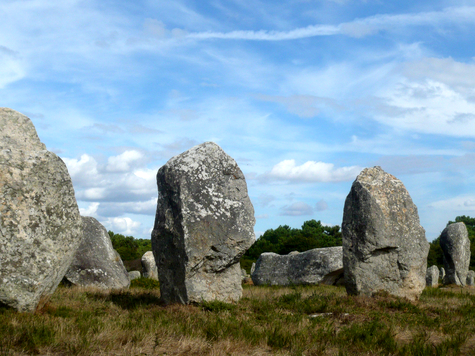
(304, 320)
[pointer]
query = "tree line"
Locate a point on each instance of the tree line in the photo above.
(285, 239)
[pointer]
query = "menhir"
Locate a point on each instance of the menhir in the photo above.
(384, 245)
(203, 225)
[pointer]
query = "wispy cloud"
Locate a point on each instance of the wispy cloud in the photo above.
(357, 28)
(312, 171)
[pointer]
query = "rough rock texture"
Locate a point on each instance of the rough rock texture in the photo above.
(96, 263)
(149, 266)
(320, 265)
(470, 278)
(253, 268)
(40, 225)
(204, 224)
(432, 276)
(134, 275)
(442, 273)
(384, 246)
(456, 252)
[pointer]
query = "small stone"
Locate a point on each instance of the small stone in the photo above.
(317, 266)
(456, 253)
(134, 275)
(432, 276)
(470, 278)
(149, 266)
(442, 273)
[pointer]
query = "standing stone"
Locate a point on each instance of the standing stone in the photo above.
(253, 268)
(470, 278)
(40, 225)
(204, 224)
(96, 263)
(442, 273)
(134, 275)
(456, 253)
(384, 246)
(149, 266)
(432, 276)
(317, 266)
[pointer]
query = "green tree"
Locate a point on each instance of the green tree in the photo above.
(128, 247)
(285, 239)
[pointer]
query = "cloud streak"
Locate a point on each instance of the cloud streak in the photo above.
(312, 171)
(357, 28)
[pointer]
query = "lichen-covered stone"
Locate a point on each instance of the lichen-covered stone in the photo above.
(96, 263)
(149, 266)
(40, 225)
(317, 266)
(432, 276)
(384, 245)
(204, 224)
(455, 246)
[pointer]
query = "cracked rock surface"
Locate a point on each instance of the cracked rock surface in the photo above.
(40, 225)
(203, 225)
(384, 245)
(96, 263)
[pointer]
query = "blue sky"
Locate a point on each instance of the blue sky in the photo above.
(303, 94)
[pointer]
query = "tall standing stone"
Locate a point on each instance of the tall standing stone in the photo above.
(384, 246)
(40, 225)
(203, 225)
(96, 263)
(149, 266)
(456, 253)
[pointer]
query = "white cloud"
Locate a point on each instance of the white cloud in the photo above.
(11, 68)
(91, 210)
(357, 28)
(296, 209)
(312, 171)
(459, 204)
(125, 226)
(125, 161)
(96, 182)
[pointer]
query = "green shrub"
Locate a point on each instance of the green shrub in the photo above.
(146, 283)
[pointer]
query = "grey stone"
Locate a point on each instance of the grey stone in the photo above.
(40, 225)
(204, 224)
(442, 273)
(253, 268)
(432, 276)
(293, 253)
(149, 266)
(317, 266)
(96, 263)
(384, 245)
(134, 275)
(470, 278)
(456, 253)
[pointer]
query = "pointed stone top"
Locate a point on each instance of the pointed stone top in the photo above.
(18, 132)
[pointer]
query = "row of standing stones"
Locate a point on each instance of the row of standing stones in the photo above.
(204, 224)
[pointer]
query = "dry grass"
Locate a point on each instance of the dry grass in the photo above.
(312, 320)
